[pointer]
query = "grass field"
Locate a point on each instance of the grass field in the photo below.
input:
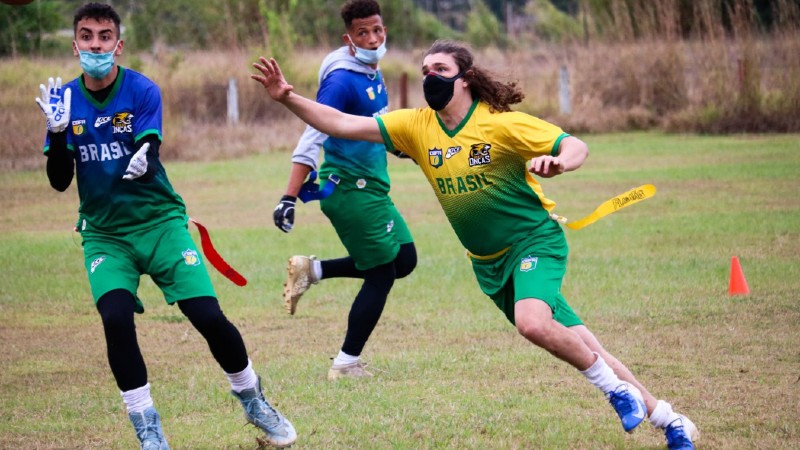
(651, 281)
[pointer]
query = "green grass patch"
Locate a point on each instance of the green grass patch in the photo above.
(651, 282)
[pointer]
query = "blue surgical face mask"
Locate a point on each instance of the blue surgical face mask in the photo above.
(369, 56)
(97, 65)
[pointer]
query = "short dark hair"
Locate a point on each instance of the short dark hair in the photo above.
(96, 11)
(359, 9)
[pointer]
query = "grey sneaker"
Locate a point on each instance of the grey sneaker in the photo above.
(300, 277)
(354, 370)
(148, 429)
(279, 432)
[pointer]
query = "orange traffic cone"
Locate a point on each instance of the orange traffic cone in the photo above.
(738, 285)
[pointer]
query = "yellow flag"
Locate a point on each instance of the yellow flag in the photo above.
(615, 204)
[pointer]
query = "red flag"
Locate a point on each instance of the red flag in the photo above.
(213, 257)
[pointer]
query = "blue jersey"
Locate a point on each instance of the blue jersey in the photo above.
(101, 137)
(362, 95)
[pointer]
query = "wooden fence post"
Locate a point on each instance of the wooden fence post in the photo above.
(404, 90)
(564, 100)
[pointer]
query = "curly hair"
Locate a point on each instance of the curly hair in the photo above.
(359, 9)
(97, 11)
(499, 95)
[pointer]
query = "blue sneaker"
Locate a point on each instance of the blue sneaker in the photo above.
(148, 429)
(279, 431)
(629, 405)
(681, 433)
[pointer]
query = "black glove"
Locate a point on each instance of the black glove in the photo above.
(284, 213)
(401, 155)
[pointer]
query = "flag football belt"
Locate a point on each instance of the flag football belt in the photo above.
(215, 259)
(623, 200)
(310, 190)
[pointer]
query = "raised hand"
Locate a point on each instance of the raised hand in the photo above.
(138, 165)
(272, 79)
(55, 108)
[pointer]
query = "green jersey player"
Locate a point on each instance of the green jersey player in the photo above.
(104, 128)
(480, 158)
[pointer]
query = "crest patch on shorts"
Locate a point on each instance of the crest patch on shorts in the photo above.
(96, 263)
(190, 257)
(528, 263)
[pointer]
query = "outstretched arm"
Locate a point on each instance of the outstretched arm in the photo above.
(322, 117)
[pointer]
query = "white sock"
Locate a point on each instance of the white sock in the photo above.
(246, 379)
(602, 376)
(137, 400)
(316, 269)
(663, 415)
(343, 359)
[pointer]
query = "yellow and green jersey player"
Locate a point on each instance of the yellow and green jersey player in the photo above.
(495, 206)
(480, 159)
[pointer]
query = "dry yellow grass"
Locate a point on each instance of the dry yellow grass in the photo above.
(675, 85)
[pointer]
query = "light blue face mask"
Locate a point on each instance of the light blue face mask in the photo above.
(97, 65)
(369, 56)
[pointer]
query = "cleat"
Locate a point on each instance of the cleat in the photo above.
(681, 434)
(278, 431)
(354, 370)
(300, 277)
(629, 405)
(148, 429)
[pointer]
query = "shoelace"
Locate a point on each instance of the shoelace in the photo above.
(676, 434)
(620, 403)
(144, 432)
(266, 415)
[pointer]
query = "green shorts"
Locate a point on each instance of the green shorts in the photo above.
(166, 252)
(522, 274)
(367, 222)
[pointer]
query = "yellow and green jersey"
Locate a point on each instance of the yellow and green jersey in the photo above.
(479, 172)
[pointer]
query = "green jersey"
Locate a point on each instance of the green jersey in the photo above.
(102, 138)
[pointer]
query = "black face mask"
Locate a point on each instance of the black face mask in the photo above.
(438, 90)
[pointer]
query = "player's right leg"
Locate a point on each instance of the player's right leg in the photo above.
(116, 310)
(300, 275)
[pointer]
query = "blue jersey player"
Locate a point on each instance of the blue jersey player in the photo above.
(105, 127)
(379, 245)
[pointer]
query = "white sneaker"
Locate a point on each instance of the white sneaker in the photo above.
(300, 277)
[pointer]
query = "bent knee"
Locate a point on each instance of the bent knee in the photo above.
(538, 332)
(406, 260)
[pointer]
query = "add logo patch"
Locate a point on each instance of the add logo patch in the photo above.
(529, 263)
(190, 257)
(78, 127)
(435, 157)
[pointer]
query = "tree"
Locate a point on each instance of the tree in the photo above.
(23, 29)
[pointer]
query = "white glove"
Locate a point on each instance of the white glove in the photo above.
(55, 109)
(138, 165)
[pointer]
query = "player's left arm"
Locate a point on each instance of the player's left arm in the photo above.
(144, 163)
(572, 153)
(148, 156)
